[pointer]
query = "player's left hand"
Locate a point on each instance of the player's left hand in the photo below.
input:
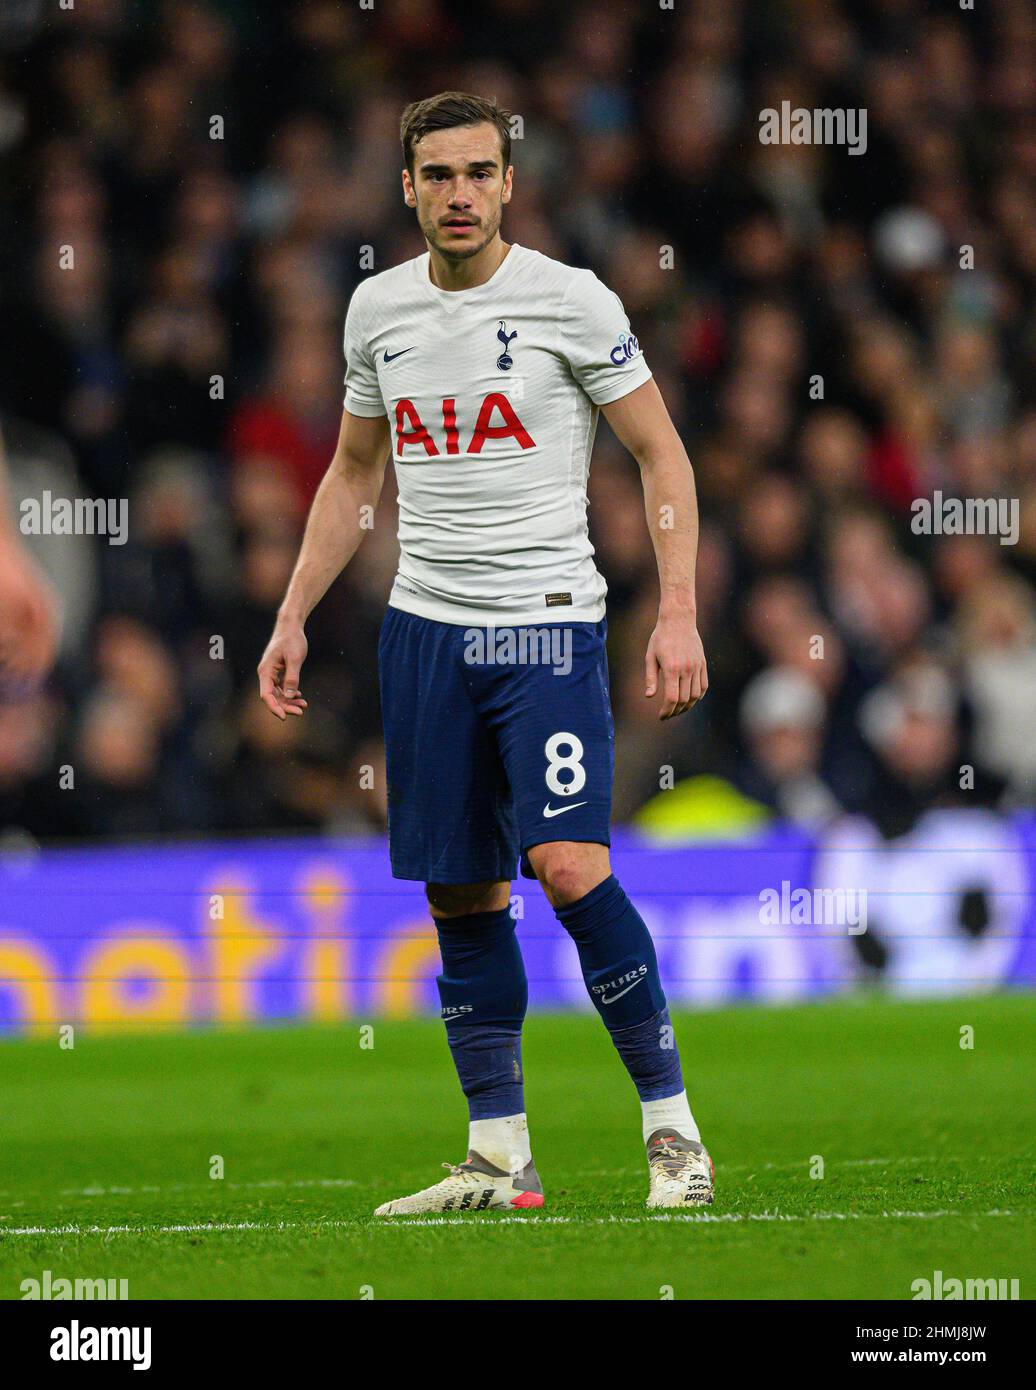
(675, 651)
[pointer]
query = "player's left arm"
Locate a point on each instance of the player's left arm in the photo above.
(675, 653)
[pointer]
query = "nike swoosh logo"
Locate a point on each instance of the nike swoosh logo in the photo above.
(550, 810)
(623, 991)
(391, 356)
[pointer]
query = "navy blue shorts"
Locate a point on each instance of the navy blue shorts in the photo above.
(497, 739)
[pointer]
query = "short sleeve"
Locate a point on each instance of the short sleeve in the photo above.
(362, 391)
(598, 342)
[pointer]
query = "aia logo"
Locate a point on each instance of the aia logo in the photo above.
(411, 429)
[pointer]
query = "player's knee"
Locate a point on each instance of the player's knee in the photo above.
(458, 899)
(567, 872)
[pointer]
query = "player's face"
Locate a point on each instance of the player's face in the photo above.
(459, 189)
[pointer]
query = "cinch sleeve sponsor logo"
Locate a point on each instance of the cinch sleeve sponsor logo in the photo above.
(626, 349)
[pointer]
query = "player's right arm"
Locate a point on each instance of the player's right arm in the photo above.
(333, 534)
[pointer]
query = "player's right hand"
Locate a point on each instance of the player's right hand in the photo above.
(280, 668)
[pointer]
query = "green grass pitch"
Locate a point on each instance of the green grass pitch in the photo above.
(927, 1151)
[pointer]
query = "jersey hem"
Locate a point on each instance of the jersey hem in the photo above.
(460, 616)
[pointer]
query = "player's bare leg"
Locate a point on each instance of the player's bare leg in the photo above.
(484, 995)
(618, 962)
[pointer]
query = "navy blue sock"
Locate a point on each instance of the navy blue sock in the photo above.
(484, 996)
(649, 1053)
(620, 970)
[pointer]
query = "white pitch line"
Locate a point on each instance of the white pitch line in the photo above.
(693, 1218)
(704, 1218)
(118, 1191)
(793, 1163)
(194, 1186)
(185, 1228)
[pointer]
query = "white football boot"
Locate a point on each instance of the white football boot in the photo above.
(682, 1173)
(474, 1185)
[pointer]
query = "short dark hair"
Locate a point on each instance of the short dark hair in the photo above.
(447, 110)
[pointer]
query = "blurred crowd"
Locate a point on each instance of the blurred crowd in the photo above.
(827, 350)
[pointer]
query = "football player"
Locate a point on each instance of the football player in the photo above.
(482, 367)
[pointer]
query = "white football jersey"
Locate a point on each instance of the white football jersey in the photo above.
(492, 399)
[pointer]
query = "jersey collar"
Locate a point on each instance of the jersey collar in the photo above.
(452, 300)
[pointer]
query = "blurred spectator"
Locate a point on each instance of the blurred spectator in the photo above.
(294, 420)
(174, 296)
(912, 723)
(997, 634)
(782, 714)
(46, 582)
